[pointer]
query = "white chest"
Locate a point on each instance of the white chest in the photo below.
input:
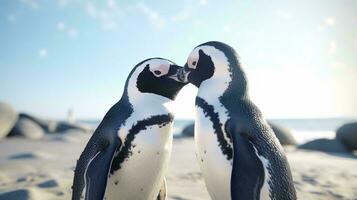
(142, 172)
(215, 167)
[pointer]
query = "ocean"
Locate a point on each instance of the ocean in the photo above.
(303, 130)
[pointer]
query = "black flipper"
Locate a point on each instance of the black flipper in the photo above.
(248, 171)
(93, 167)
(97, 172)
(163, 191)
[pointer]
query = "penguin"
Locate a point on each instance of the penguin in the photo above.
(238, 153)
(128, 153)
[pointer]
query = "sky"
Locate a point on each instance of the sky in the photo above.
(300, 56)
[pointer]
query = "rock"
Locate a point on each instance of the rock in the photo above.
(8, 117)
(30, 155)
(189, 130)
(65, 127)
(22, 156)
(27, 128)
(48, 184)
(27, 194)
(56, 127)
(16, 194)
(47, 125)
(284, 135)
(347, 134)
(325, 145)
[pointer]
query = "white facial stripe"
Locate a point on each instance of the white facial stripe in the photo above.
(193, 59)
(219, 60)
(159, 67)
(208, 50)
(221, 76)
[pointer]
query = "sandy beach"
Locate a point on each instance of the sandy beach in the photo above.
(43, 169)
(233, 68)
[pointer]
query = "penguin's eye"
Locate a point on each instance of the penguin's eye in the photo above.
(159, 69)
(157, 72)
(192, 61)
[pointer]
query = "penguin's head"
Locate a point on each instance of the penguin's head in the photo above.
(154, 76)
(208, 60)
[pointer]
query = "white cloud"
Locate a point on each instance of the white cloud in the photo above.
(60, 26)
(330, 21)
(42, 52)
(72, 32)
(332, 48)
(108, 16)
(155, 18)
(183, 14)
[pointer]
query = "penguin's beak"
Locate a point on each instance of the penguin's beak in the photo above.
(177, 73)
(183, 74)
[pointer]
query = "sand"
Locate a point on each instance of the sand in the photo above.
(43, 169)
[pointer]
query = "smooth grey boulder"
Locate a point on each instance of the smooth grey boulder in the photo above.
(47, 125)
(56, 127)
(284, 135)
(189, 130)
(8, 117)
(17, 194)
(325, 145)
(347, 134)
(48, 184)
(25, 127)
(65, 127)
